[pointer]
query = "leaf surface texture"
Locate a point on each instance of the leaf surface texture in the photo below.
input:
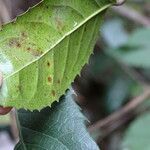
(58, 128)
(43, 51)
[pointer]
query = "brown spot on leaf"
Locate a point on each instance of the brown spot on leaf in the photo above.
(28, 49)
(24, 34)
(53, 93)
(58, 81)
(35, 52)
(48, 64)
(18, 45)
(49, 79)
(14, 42)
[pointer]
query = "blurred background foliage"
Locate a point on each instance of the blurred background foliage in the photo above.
(114, 88)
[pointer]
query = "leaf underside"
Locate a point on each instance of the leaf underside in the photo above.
(59, 128)
(43, 51)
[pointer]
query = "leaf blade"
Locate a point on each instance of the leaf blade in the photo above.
(37, 58)
(139, 128)
(61, 127)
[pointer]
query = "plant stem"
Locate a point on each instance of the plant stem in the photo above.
(121, 116)
(132, 14)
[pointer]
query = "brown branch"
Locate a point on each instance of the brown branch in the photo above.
(136, 76)
(121, 116)
(132, 14)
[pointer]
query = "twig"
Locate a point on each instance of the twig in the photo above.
(119, 2)
(132, 14)
(136, 76)
(121, 116)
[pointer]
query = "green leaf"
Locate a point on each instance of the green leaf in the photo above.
(117, 93)
(45, 49)
(109, 34)
(138, 135)
(58, 128)
(136, 52)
